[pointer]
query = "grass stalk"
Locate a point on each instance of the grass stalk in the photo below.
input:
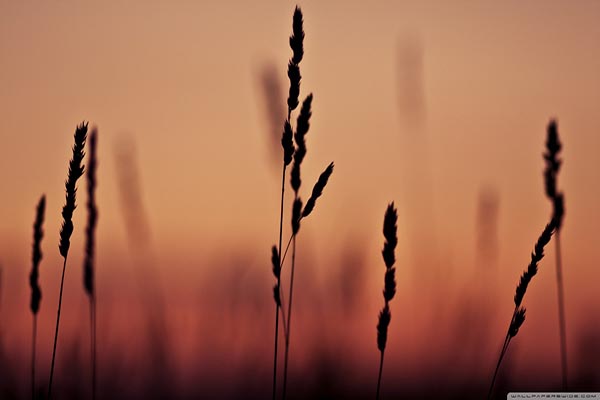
(553, 164)
(502, 354)
(278, 287)
(62, 282)
(561, 314)
(76, 169)
(379, 375)
(287, 141)
(88, 263)
(518, 316)
(33, 342)
(36, 293)
(390, 229)
(296, 215)
(92, 304)
(289, 321)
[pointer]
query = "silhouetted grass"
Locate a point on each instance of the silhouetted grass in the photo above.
(553, 163)
(76, 169)
(36, 293)
(88, 263)
(298, 212)
(389, 290)
(289, 152)
(518, 316)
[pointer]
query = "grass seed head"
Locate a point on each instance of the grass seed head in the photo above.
(88, 263)
(294, 92)
(36, 258)
(287, 142)
(275, 262)
(382, 327)
(389, 232)
(296, 215)
(536, 257)
(317, 190)
(297, 38)
(76, 169)
(517, 322)
(302, 127)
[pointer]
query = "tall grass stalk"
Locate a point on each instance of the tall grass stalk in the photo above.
(76, 169)
(553, 163)
(296, 44)
(302, 127)
(389, 290)
(299, 213)
(89, 283)
(518, 316)
(36, 293)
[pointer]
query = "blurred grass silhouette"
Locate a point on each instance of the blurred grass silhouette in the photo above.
(205, 333)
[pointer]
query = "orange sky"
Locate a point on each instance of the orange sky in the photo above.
(421, 102)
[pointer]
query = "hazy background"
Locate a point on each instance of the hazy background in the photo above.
(439, 106)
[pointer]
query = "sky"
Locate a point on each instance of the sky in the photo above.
(434, 105)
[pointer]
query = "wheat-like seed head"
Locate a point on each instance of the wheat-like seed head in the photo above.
(36, 258)
(553, 147)
(287, 142)
(536, 257)
(88, 264)
(294, 92)
(296, 215)
(275, 262)
(296, 43)
(75, 171)
(302, 127)
(385, 316)
(317, 190)
(389, 289)
(276, 295)
(558, 212)
(516, 323)
(553, 164)
(297, 38)
(389, 232)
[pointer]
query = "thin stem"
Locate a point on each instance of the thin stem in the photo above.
(289, 318)
(62, 281)
(561, 311)
(33, 341)
(502, 352)
(282, 308)
(93, 342)
(275, 356)
(278, 283)
(286, 250)
(379, 379)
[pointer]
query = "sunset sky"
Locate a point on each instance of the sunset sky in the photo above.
(431, 104)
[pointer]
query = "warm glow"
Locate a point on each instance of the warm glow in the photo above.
(439, 106)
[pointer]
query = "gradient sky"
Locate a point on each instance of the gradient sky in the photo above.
(421, 102)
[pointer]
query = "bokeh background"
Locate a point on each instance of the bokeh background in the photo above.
(439, 106)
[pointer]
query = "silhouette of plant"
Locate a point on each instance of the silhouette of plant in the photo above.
(76, 169)
(88, 263)
(296, 154)
(287, 143)
(518, 316)
(36, 293)
(553, 163)
(389, 289)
